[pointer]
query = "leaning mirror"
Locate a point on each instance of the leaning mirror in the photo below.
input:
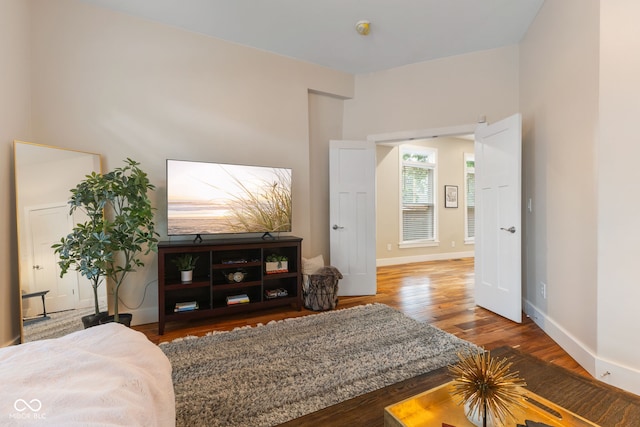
(51, 305)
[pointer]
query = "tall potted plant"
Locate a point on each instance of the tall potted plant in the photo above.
(128, 224)
(86, 248)
(119, 231)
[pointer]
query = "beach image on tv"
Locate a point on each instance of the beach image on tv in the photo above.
(214, 198)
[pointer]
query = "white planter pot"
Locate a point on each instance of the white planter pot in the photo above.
(276, 267)
(186, 276)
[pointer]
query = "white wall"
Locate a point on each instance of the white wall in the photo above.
(618, 232)
(14, 124)
(124, 87)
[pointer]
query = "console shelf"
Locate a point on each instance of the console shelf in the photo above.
(228, 268)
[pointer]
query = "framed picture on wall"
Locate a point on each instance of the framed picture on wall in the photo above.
(450, 196)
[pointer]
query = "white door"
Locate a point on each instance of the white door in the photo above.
(352, 215)
(46, 227)
(498, 156)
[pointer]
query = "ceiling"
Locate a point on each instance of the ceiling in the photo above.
(323, 31)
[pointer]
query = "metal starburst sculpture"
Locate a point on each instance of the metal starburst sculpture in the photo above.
(486, 385)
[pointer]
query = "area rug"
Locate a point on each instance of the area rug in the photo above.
(273, 373)
(59, 324)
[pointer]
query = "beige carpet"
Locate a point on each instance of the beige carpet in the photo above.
(59, 324)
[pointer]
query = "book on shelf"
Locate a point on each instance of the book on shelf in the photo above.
(237, 299)
(186, 306)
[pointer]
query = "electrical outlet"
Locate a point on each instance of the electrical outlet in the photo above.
(453, 243)
(543, 290)
(389, 247)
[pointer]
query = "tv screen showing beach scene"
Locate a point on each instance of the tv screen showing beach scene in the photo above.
(217, 198)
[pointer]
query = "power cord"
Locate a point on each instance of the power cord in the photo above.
(144, 295)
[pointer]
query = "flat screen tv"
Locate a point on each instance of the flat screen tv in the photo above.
(215, 198)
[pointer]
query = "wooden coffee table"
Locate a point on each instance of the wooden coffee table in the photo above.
(436, 408)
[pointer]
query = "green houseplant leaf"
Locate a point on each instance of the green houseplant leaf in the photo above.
(276, 258)
(185, 262)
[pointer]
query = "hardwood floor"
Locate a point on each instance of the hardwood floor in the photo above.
(437, 292)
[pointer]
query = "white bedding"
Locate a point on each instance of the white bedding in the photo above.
(108, 375)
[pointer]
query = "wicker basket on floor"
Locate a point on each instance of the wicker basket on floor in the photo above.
(320, 290)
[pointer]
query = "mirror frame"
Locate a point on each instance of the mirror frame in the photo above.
(21, 245)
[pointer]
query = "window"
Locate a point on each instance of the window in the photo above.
(469, 198)
(418, 166)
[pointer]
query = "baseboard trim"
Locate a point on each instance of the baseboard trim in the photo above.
(143, 316)
(618, 375)
(383, 262)
(600, 369)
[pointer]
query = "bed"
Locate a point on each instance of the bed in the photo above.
(105, 375)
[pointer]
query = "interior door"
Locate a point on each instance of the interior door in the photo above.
(46, 227)
(498, 163)
(352, 215)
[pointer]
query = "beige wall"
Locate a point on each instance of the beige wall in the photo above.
(450, 221)
(559, 102)
(446, 92)
(124, 87)
(14, 124)
(579, 97)
(325, 124)
(618, 232)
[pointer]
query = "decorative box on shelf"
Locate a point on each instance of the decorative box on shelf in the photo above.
(276, 267)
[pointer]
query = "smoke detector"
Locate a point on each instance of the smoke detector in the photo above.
(363, 27)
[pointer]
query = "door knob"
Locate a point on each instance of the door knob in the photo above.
(337, 227)
(37, 267)
(511, 229)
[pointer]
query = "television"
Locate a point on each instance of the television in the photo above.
(207, 198)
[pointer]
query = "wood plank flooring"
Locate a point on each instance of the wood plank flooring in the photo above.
(437, 292)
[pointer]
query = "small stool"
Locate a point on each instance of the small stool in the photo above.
(44, 308)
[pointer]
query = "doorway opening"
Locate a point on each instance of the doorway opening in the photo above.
(415, 228)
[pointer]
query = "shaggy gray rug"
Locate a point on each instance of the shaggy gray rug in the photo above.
(58, 325)
(276, 372)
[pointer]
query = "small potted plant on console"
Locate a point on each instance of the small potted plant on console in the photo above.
(276, 263)
(186, 263)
